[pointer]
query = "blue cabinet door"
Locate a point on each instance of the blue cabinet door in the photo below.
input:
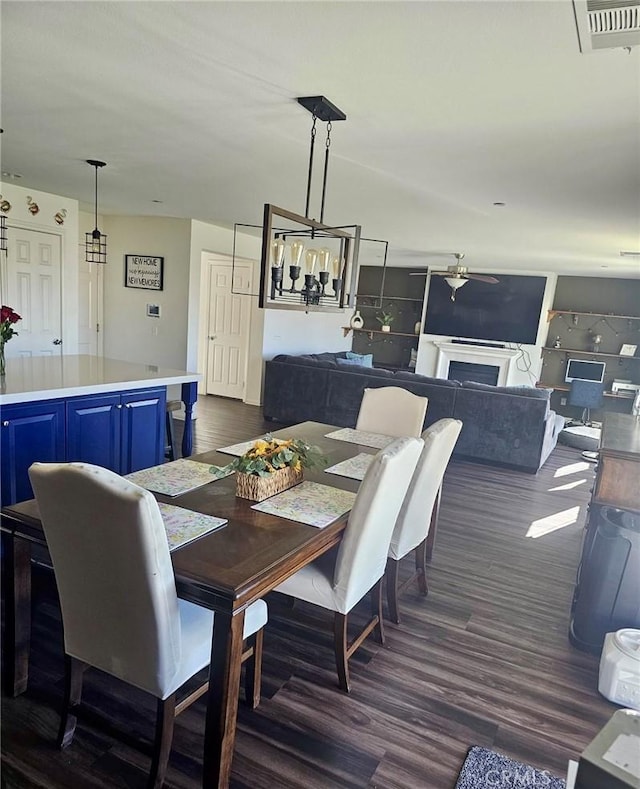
(143, 425)
(30, 432)
(93, 430)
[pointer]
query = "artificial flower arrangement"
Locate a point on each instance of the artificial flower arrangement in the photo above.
(8, 317)
(272, 465)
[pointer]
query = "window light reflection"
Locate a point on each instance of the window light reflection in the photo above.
(572, 468)
(569, 485)
(544, 526)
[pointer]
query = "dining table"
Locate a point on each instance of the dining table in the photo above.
(225, 570)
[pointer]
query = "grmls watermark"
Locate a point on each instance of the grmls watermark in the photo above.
(516, 777)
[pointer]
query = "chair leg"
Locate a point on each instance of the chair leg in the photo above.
(392, 589)
(172, 451)
(341, 650)
(421, 567)
(433, 526)
(376, 610)
(253, 672)
(165, 716)
(74, 670)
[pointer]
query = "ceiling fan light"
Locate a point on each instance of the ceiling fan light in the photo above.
(455, 282)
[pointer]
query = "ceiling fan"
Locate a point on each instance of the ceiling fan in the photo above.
(456, 276)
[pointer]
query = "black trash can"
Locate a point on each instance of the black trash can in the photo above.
(607, 593)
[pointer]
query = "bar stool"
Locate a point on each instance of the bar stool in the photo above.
(170, 448)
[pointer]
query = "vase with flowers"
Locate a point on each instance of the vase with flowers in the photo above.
(272, 465)
(8, 318)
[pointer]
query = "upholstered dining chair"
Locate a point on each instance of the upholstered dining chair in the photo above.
(392, 411)
(342, 577)
(120, 611)
(420, 509)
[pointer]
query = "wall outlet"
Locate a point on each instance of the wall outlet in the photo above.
(563, 401)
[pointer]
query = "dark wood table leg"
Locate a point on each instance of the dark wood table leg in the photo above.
(433, 528)
(222, 705)
(17, 583)
(189, 397)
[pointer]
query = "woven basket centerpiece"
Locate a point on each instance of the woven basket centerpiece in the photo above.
(272, 465)
(250, 486)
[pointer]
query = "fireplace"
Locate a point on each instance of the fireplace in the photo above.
(483, 355)
(469, 371)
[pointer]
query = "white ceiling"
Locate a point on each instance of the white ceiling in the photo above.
(451, 106)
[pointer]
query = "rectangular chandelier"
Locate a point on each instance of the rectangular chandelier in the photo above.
(305, 264)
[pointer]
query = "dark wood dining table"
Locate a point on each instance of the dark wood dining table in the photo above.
(225, 570)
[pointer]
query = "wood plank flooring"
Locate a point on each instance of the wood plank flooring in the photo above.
(483, 660)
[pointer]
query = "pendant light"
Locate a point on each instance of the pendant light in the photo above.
(96, 242)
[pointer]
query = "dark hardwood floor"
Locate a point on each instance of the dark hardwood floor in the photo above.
(483, 660)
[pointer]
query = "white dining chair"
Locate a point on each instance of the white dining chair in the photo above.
(392, 411)
(120, 611)
(419, 509)
(342, 577)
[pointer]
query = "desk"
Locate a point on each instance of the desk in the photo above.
(225, 571)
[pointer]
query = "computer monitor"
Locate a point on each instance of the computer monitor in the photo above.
(581, 370)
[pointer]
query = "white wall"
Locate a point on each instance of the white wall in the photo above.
(129, 333)
(528, 365)
(49, 204)
(289, 331)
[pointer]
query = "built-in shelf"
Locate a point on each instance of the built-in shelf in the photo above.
(371, 332)
(551, 314)
(566, 388)
(378, 297)
(591, 353)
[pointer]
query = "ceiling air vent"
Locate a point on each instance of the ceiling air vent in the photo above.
(607, 24)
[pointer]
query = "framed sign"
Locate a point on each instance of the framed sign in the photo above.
(143, 271)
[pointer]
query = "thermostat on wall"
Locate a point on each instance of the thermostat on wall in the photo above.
(153, 310)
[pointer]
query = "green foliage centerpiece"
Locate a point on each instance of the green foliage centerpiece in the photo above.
(272, 465)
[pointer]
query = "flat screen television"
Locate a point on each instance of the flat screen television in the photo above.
(506, 312)
(581, 370)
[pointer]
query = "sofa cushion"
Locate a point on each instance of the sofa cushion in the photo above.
(363, 359)
(525, 391)
(414, 378)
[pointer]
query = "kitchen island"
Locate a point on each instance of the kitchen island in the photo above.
(85, 408)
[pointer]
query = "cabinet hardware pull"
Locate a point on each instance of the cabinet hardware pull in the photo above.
(5, 423)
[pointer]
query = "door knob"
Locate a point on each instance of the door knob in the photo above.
(57, 341)
(213, 337)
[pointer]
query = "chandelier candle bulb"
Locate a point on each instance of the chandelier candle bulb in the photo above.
(295, 252)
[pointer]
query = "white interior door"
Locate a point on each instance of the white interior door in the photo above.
(33, 290)
(89, 307)
(228, 328)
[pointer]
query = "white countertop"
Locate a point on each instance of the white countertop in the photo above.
(33, 378)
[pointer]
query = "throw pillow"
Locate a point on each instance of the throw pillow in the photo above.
(363, 359)
(351, 363)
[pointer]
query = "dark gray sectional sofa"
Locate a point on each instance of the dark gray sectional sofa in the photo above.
(511, 426)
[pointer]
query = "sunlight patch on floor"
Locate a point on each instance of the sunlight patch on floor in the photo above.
(551, 523)
(572, 468)
(569, 485)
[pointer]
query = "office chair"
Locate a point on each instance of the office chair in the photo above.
(587, 395)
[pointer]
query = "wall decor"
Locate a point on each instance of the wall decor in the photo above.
(60, 216)
(5, 205)
(143, 271)
(34, 208)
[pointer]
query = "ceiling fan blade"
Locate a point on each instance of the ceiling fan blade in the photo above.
(484, 278)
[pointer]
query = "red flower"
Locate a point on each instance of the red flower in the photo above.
(7, 318)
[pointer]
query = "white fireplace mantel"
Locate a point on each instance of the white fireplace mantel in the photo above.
(502, 358)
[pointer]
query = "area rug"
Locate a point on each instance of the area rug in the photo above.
(485, 769)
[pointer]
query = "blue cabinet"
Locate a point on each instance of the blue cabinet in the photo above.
(121, 431)
(93, 430)
(30, 432)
